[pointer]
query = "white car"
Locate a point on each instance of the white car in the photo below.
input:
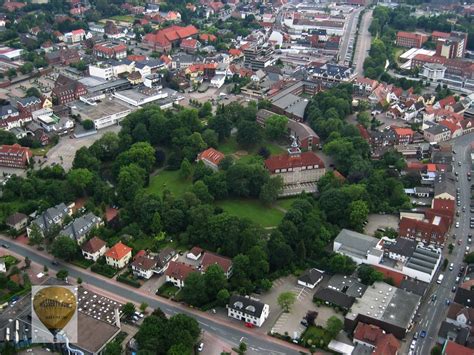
(201, 347)
(457, 224)
(412, 345)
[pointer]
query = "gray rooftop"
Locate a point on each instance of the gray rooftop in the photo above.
(387, 304)
(81, 226)
(51, 216)
(353, 243)
(347, 284)
(423, 260)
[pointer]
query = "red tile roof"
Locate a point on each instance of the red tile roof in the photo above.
(207, 37)
(401, 131)
(453, 348)
(443, 204)
(118, 251)
(93, 245)
(410, 35)
(285, 161)
(196, 251)
(385, 344)
(179, 271)
(211, 155)
(363, 132)
(211, 259)
(440, 34)
(189, 43)
(447, 101)
(367, 333)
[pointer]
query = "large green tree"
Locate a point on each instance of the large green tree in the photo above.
(275, 127)
(64, 247)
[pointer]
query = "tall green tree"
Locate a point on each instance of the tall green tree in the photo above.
(64, 248)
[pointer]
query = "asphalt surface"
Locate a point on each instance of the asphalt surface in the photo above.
(363, 43)
(434, 313)
(257, 342)
(349, 33)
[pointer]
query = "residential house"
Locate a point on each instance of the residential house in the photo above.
(403, 135)
(374, 338)
(460, 315)
(453, 348)
(118, 256)
(94, 248)
(17, 221)
(364, 86)
(15, 156)
(53, 216)
(8, 111)
(110, 50)
(248, 310)
(3, 266)
(178, 272)
(64, 56)
(78, 229)
(310, 278)
(146, 264)
(211, 158)
(75, 36)
(29, 104)
(437, 133)
(210, 258)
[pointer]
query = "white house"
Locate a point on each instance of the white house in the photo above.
(248, 310)
(195, 253)
(118, 256)
(94, 248)
(177, 273)
(3, 267)
(310, 278)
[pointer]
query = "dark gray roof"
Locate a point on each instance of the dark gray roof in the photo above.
(15, 218)
(311, 276)
(401, 246)
(7, 110)
(353, 243)
(246, 305)
(444, 184)
(414, 286)
(335, 297)
(80, 226)
(51, 216)
(464, 297)
(164, 256)
(423, 260)
(437, 129)
(28, 100)
(459, 334)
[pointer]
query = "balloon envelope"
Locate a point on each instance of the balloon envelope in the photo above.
(55, 307)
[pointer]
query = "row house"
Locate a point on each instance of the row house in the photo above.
(403, 135)
(29, 104)
(78, 229)
(53, 216)
(437, 133)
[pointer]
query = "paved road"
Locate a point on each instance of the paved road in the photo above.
(349, 33)
(257, 342)
(363, 43)
(434, 313)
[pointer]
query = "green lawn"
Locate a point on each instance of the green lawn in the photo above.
(124, 18)
(286, 202)
(168, 290)
(316, 336)
(168, 180)
(253, 210)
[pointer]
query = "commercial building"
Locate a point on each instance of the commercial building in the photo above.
(450, 45)
(136, 97)
(433, 71)
(103, 110)
(385, 306)
(66, 90)
(15, 156)
(258, 57)
(411, 39)
(437, 133)
(248, 310)
(356, 246)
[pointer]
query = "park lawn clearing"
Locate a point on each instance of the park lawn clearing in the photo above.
(286, 202)
(124, 18)
(253, 210)
(169, 180)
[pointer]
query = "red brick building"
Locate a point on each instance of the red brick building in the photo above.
(429, 231)
(163, 40)
(29, 104)
(410, 39)
(15, 156)
(67, 90)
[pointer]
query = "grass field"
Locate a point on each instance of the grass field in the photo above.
(168, 180)
(124, 18)
(253, 210)
(286, 203)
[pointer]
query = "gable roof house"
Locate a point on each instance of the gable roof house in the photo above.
(310, 278)
(118, 256)
(147, 264)
(178, 272)
(17, 221)
(211, 158)
(29, 104)
(49, 218)
(248, 310)
(94, 248)
(373, 337)
(78, 229)
(163, 40)
(214, 259)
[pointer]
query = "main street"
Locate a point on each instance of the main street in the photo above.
(434, 313)
(363, 43)
(348, 34)
(257, 342)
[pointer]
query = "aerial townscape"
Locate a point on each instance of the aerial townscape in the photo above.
(238, 177)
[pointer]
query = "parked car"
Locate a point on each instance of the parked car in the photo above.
(6, 246)
(453, 289)
(423, 333)
(201, 347)
(55, 263)
(249, 325)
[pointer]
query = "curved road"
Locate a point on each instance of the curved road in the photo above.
(257, 342)
(434, 313)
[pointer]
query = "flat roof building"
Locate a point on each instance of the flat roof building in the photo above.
(354, 245)
(385, 306)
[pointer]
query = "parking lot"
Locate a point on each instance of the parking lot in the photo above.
(381, 221)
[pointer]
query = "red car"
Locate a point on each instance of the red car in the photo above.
(249, 325)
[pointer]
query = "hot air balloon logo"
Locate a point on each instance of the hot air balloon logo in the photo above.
(55, 307)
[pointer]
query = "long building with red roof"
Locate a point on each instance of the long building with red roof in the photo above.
(163, 40)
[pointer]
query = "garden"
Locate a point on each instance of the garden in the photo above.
(168, 290)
